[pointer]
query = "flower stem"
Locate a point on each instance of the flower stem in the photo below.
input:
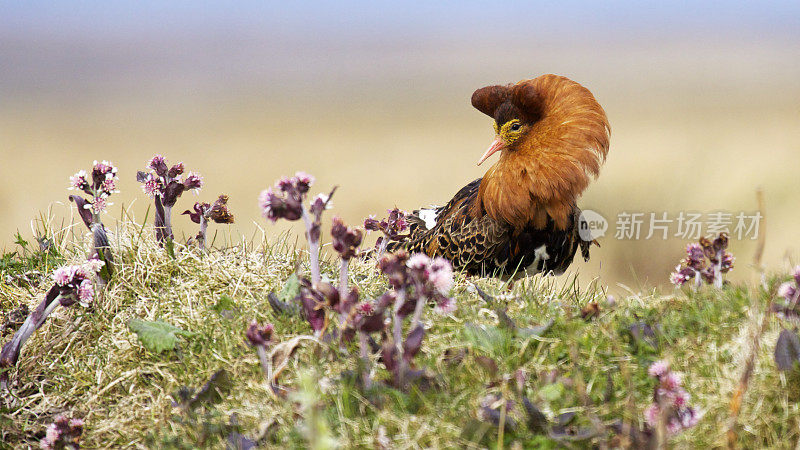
(266, 365)
(398, 324)
(344, 267)
(313, 249)
(398, 337)
(168, 222)
(384, 244)
(201, 237)
(364, 347)
(418, 309)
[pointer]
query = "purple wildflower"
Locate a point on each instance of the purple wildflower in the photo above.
(109, 186)
(695, 258)
(85, 293)
(788, 290)
(392, 228)
(99, 205)
(658, 368)
(176, 170)
(158, 164)
(63, 275)
(101, 184)
(669, 399)
(201, 213)
(418, 261)
(445, 306)
(193, 181)
(365, 308)
(259, 335)
(651, 415)
(303, 181)
(320, 203)
(345, 239)
(63, 433)
(165, 186)
(72, 284)
(78, 181)
(441, 275)
(276, 204)
(152, 186)
(705, 261)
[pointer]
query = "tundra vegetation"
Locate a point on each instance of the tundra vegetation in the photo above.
(172, 343)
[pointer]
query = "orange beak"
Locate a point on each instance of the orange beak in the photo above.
(496, 146)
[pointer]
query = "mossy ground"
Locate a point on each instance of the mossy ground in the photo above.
(87, 363)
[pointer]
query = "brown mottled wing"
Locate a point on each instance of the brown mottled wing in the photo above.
(471, 244)
(483, 246)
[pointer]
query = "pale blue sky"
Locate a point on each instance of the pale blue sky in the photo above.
(90, 49)
(349, 17)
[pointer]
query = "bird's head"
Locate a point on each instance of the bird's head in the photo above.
(552, 135)
(511, 123)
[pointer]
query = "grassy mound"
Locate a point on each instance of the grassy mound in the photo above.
(89, 364)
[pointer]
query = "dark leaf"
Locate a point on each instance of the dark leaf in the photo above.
(609, 392)
(537, 421)
(565, 419)
(213, 391)
(492, 416)
(413, 342)
(183, 396)
(196, 212)
(11, 350)
(628, 436)
(372, 323)
(787, 350)
(642, 332)
(237, 441)
(172, 192)
(313, 310)
(141, 176)
(572, 434)
(85, 213)
(103, 249)
(389, 356)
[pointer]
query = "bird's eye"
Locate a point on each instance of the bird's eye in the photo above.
(515, 126)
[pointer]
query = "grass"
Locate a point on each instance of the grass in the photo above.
(89, 364)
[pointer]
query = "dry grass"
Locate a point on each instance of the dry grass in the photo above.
(88, 363)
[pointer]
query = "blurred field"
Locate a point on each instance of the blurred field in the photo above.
(696, 126)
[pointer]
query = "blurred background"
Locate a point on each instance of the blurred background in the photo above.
(703, 100)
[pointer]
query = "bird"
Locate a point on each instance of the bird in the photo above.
(521, 217)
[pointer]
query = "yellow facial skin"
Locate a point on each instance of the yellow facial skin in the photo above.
(510, 131)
